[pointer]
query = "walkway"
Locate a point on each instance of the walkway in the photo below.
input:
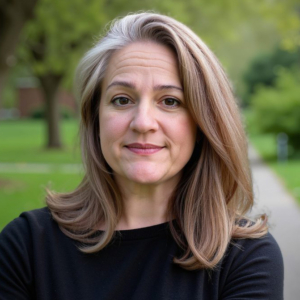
(40, 168)
(284, 218)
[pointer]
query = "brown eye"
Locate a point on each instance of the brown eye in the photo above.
(171, 102)
(120, 101)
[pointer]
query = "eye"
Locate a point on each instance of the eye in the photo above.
(171, 102)
(121, 101)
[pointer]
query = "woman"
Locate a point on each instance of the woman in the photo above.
(161, 211)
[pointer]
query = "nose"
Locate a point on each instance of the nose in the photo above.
(144, 118)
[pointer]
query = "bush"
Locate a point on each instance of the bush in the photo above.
(39, 113)
(264, 69)
(277, 109)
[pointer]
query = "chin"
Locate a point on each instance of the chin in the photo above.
(145, 176)
(148, 177)
(145, 179)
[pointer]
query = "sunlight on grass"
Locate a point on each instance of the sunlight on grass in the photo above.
(24, 140)
(22, 192)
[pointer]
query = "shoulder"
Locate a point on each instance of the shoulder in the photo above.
(29, 226)
(253, 266)
(19, 240)
(31, 220)
(263, 247)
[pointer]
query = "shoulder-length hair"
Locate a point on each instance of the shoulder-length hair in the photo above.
(215, 191)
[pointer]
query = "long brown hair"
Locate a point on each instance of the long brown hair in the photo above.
(215, 191)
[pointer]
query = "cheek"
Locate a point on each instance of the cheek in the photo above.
(109, 126)
(112, 130)
(185, 133)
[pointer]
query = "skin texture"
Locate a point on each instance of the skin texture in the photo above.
(146, 133)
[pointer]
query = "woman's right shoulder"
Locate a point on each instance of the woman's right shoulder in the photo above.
(34, 222)
(23, 242)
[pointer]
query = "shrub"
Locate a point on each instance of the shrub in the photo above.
(39, 113)
(264, 69)
(277, 109)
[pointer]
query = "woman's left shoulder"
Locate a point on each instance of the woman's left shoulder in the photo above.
(253, 267)
(263, 247)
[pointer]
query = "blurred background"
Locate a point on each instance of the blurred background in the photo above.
(41, 42)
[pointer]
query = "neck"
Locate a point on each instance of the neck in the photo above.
(144, 205)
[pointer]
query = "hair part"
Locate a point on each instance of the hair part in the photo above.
(215, 192)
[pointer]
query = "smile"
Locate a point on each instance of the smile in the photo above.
(144, 149)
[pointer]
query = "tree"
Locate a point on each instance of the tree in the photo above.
(52, 45)
(13, 16)
(285, 15)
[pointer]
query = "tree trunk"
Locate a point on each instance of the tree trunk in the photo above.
(13, 15)
(50, 84)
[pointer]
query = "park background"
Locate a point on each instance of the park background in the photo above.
(41, 42)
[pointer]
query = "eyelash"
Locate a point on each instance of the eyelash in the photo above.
(173, 99)
(118, 98)
(177, 102)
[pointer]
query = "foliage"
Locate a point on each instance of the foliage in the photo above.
(277, 109)
(60, 32)
(66, 29)
(264, 69)
(285, 16)
(40, 113)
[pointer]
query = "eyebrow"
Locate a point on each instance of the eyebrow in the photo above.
(156, 88)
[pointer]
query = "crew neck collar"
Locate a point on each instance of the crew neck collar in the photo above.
(144, 232)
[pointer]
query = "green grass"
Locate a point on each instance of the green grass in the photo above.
(288, 172)
(22, 192)
(24, 141)
(265, 145)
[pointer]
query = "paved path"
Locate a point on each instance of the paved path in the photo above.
(39, 168)
(284, 217)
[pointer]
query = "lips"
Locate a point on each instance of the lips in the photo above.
(144, 149)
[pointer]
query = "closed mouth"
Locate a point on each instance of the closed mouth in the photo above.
(143, 149)
(143, 146)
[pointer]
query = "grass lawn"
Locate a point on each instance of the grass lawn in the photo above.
(24, 140)
(265, 144)
(290, 174)
(22, 192)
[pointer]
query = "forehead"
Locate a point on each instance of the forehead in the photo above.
(147, 58)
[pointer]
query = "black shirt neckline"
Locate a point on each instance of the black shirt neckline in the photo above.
(143, 232)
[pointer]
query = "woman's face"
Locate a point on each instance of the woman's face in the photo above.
(147, 134)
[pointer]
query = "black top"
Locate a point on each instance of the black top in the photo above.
(37, 261)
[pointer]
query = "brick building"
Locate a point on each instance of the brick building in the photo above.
(31, 98)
